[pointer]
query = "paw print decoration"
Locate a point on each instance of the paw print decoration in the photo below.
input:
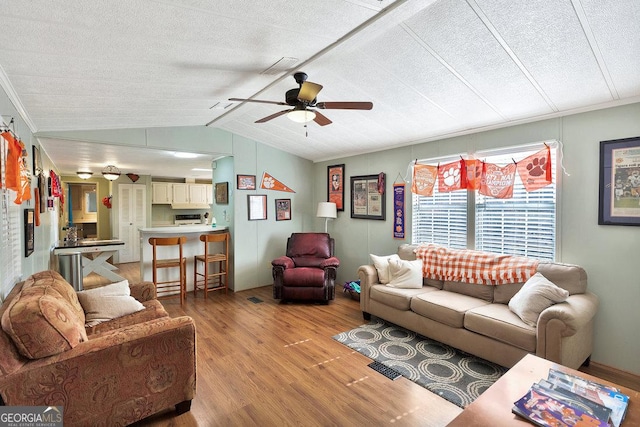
(537, 166)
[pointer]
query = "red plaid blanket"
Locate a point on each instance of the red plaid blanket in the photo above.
(468, 266)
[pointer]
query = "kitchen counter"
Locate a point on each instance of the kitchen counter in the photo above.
(181, 229)
(191, 248)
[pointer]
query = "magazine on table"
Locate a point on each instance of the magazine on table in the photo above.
(569, 400)
(543, 410)
(608, 396)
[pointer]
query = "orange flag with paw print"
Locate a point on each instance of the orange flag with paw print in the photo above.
(270, 183)
(452, 176)
(535, 170)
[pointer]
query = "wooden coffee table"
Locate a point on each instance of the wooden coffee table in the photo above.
(493, 407)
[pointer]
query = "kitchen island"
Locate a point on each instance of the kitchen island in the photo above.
(191, 248)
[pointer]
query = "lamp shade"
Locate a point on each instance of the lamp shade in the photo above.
(301, 116)
(111, 173)
(84, 174)
(327, 210)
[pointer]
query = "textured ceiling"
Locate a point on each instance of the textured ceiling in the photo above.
(431, 68)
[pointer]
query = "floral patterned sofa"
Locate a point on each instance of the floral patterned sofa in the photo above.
(114, 373)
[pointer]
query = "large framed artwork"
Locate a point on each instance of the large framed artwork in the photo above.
(619, 182)
(335, 185)
(367, 197)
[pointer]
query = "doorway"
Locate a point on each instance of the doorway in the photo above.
(81, 210)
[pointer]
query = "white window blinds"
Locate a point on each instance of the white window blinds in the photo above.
(523, 225)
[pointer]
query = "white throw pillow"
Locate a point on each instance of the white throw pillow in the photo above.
(405, 274)
(381, 263)
(536, 295)
(100, 308)
(108, 302)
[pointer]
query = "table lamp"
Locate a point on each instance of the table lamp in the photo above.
(327, 210)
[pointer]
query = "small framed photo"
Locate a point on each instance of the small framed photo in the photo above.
(246, 182)
(619, 182)
(257, 206)
(29, 235)
(222, 193)
(335, 185)
(283, 209)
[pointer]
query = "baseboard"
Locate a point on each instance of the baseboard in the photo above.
(615, 375)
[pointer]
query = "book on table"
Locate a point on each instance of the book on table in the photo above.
(568, 400)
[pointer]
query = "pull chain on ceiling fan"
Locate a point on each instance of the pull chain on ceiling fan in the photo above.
(305, 105)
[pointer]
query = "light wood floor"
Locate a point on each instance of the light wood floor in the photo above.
(272, 364)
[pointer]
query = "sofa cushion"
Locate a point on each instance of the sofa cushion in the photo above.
(54, 280)
(445, 307)
(502, 294)
(536, 295)
(475, 290)
(498, 322)
(405, 274)
(304, 277)
(42, 323)
(381, 263)
(567, 276)
(397, 298)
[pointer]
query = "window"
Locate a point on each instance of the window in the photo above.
(10, 252)
(522, 225)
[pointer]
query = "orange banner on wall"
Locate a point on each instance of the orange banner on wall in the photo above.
(424, 179)
(270, 183)
(535, 170)
(452, 176)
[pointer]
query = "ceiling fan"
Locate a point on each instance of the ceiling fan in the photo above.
(303, 100)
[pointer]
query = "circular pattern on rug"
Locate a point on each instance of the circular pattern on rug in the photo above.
(366, 349)
(479, 368)
(441, 371)
(364, 335)
(394, 333)
(476, 388)
(435, 350)
(406, 369)
(397, 350)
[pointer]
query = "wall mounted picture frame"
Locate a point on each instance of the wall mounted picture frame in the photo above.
(29, 235)
(367, 201)
(222, 193)
(619, 191)
(335, 185)
(37, 161)
(257, 207)
(283, 209)
(246, 182)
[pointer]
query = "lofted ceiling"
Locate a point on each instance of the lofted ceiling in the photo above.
(432, 68)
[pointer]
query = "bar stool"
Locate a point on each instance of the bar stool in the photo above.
(169, 288)
(218, 278)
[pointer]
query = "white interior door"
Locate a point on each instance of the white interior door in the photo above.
(131, 216)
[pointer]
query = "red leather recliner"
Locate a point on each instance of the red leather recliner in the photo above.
(308, 271)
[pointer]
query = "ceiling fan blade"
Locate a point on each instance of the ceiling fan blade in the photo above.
(321, 119)
(309, 91)
(345, 105)
(257, 100)
(273, 116)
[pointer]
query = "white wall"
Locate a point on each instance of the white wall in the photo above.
(609, 254)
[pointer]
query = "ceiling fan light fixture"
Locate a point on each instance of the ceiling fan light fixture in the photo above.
(84, 174)
(301, 116)
(111, 173)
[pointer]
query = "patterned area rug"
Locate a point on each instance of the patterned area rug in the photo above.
(450, 373)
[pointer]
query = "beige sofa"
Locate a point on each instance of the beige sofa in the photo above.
(476, 318)
(111, 374)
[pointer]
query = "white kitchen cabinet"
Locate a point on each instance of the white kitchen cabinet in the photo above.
(180, 193)
(198, 193)
(209, 190)
(162, 193)
(132, 215)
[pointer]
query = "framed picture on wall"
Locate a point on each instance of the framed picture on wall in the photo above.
(222, 193)
(335, 185)
(367, 197)
(246, 182)
(283, 209)
(619, 182)
(257, 206)
(29, 235)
